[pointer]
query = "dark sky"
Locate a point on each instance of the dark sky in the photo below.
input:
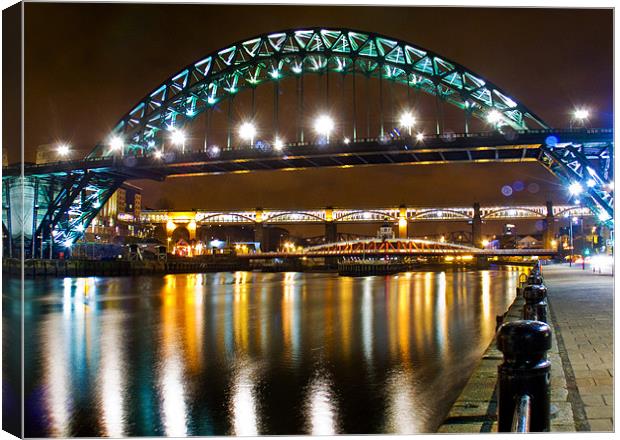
(87, 64)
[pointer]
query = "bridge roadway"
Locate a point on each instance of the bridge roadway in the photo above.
(511, 146)
(357, 216)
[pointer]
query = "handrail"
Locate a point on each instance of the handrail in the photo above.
(521, 416)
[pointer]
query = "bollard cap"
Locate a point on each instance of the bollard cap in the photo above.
(534, 279)
(524, 338)
(534, 292)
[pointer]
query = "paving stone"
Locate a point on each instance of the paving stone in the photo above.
(599, 412)
(593, 400)
(601, 425)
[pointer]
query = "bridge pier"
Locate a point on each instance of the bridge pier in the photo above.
(331, 232)
(261, 235)
(548, 227)
(476, 227)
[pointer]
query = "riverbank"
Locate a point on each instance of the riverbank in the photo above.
(74, 267)
(581, 319)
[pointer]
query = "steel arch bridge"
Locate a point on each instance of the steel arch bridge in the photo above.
(60, 200)
(292, 53)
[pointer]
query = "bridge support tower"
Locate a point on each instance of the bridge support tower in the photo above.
(476, 227)
(403, 224)
(548, 227)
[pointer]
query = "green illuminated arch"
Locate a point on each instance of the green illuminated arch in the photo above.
(288, 53)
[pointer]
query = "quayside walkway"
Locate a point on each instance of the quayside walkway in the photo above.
(581, 306)
(581, 317)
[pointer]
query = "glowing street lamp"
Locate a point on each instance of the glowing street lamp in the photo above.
(419, 137)
(247, 131)
(117, 144)
(63, 150)
(278, 144)
(178, 138)
(494, 117)
(407, 120)
(159, 154)
(581, 115)
(575, 188)
(324, 125)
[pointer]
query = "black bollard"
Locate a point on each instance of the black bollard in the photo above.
(535, 307)
(534, 279)
(525, 370)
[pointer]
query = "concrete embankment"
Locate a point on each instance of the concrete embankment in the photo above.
(74, 267)
(475, 410)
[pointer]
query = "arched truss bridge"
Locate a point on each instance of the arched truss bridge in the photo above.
(61, 199)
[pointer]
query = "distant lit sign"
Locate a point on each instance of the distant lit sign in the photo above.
(124, 217)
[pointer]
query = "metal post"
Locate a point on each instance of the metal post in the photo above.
(207, 123)
(51, 241)
(535, 307)
(301, 108)
(276, 101)
(327, 87)
(344, 112)
(253, 103)
(298, 120)
(467, 115)
(35, 209)
(367, 106)
(354, 106)
(570, 233)
(229, 123)
(381, 99)
(438, 107)
(525, 371)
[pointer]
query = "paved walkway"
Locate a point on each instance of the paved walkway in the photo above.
(581, 312)
(581, 305)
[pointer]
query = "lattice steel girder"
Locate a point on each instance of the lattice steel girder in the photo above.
(574, 165)
(273, 56)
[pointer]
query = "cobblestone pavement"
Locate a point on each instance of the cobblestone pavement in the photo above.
(581, 305)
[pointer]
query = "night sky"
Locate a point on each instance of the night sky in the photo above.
(87, 64)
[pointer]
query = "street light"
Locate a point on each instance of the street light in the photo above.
(494, 117)
(419, 137)
(575, 188)
(581, 115)
(407, 120)
(324, 124)
(278, 144)
(117, 144)
(63, 150)
(247, 131)
(178, 138)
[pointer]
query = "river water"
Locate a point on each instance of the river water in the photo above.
(249, 353)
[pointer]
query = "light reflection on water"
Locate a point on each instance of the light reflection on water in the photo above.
(250, 353)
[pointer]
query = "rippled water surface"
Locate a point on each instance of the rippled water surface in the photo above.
(251, 353)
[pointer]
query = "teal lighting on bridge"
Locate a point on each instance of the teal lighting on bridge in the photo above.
(276, 56)
(65, 195)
